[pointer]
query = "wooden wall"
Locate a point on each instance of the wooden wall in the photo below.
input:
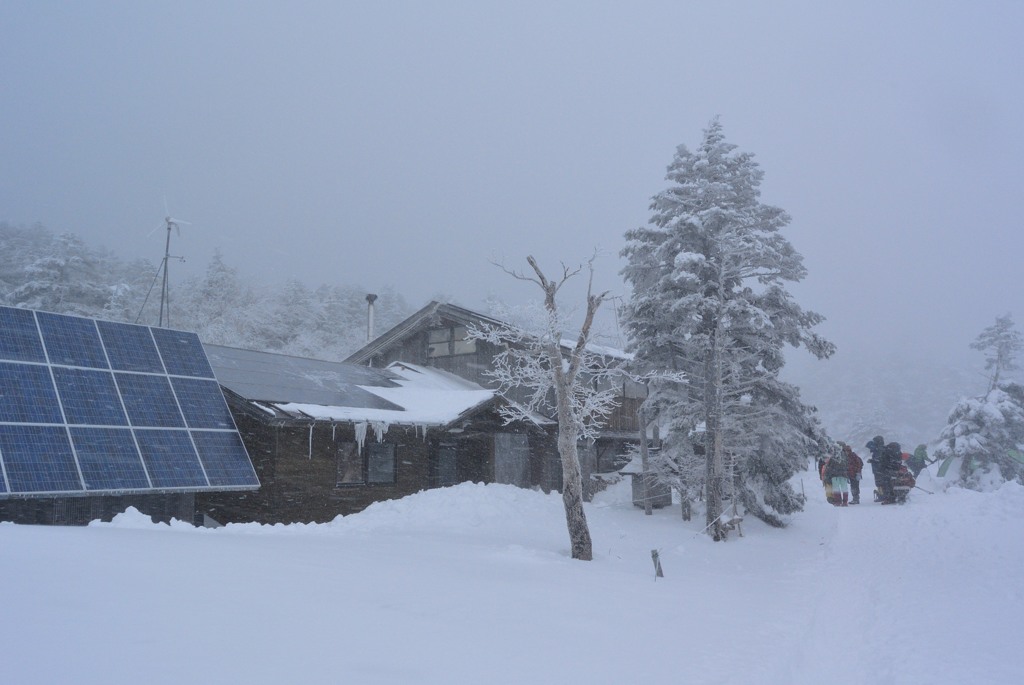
(299, 477)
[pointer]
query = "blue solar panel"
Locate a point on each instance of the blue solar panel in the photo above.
(38, 459)
(109, 459)
(149, 400)
(182, 353)
(72, 341)
(203, 403)
(130, 348)
(19, 337)
(89, 397)
(26, 394)
(170, 459)
(225, 458)
(101, 407)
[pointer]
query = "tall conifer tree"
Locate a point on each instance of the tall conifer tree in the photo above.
(708, 276)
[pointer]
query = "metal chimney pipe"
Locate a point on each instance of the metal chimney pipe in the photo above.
(369, 316)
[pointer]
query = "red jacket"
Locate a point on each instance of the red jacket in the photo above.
(854, 464)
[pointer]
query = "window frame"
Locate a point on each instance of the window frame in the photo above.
(351, 462)
(450, 341)
(382, 449)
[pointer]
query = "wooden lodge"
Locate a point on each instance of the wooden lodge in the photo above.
(329, 438)
(437, 337)
(413, 409)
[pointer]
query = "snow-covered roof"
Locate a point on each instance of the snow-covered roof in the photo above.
(600, 350)
(294, 387)
(280, 378)
(422, 396)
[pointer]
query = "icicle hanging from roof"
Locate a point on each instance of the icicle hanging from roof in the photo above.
(360, 435)
(379, 429)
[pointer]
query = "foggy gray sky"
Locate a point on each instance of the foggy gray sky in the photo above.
(406, 143)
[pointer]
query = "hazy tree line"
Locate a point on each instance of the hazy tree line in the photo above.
(59, 272)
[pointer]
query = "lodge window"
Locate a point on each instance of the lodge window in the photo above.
(374, 465)
(447, 342)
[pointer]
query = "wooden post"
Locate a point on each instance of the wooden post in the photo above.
(657, 564)
(642, 416)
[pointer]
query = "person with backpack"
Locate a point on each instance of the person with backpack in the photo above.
(891, 457)
(854, 467)
(902, 483)
(876, 445)
(836, 470)
(919, 460)
(826, 482)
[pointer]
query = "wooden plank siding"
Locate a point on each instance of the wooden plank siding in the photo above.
(299, 476)
(298, 473)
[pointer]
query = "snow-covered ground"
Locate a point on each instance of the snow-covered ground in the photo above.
(473, 584)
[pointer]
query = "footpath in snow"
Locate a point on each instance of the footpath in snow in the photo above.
(474, 584)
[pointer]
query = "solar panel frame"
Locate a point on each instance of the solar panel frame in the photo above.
(72, 341)
(109, 459)
(149, 400)
(90, 407)
(130, 347)
(182, 353)
(39, 459)
(27, 395)
(202, 403)
(19, 336)
(171, 459)
(89, 397)
(224, 458)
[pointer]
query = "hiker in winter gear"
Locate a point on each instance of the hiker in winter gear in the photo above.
(826, 482)
(836, 469)
(854, 466)
(919, 460)
(891, 458)
(903, 483)
(875, 446)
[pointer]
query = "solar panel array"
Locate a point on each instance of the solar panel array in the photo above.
(96, 407)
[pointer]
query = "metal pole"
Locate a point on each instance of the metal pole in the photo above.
(164, 302)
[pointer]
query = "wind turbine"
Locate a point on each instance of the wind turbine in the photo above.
(169, 223)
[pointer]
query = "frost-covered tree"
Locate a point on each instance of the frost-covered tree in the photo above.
(537, 364)
(708, 276)
(986, 434)
(68, 278)
(1000, 343)
(218, 306)
(60, 273)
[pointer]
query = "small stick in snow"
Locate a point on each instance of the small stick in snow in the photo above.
(656, 558)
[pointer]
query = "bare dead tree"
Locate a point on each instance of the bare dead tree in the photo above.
(537, 364)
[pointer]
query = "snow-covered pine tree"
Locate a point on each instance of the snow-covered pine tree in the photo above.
(65, 277)
(1000, 343)
(987, 433)
(708, 298)
(218, 306)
